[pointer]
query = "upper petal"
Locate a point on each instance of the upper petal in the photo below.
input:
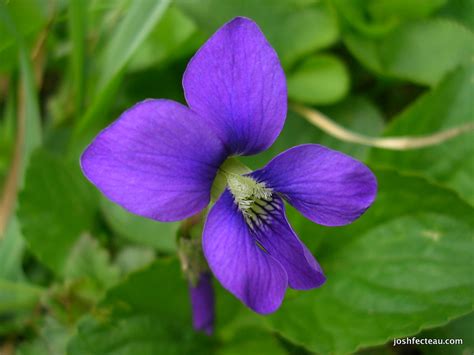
(236, 83)
(275, 234)
(328, 187)
(236, 260)
(157, 160)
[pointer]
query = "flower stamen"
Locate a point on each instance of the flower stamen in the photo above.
(254, 199)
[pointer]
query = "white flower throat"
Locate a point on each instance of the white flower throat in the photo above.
(253, 199)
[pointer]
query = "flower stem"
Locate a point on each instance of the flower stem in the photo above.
(190, 252)
(392, 143)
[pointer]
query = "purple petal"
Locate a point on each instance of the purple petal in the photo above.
(328, 187)
(236, 83)
(202, 302)
(280, 241)
(236, 260)
(157, 160)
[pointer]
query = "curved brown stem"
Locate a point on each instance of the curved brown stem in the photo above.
(393, 143)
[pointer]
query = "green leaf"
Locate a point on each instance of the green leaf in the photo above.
(174, 302)
(252, 340)
(51, 339)
(293, 27)
(451, 163)
(56, 206)
(356, 14)
(133, 258)
(144, 334)
(17, 302)
(461, 11)
(148, 313)
(11, 252)
(320, 79)
(408, 51)
(404, 266)
(365, 50)
(375, 18)
(141, 230)
(403, 9)
(18, 296)
(89, 266)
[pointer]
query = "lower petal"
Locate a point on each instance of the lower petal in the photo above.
(238, 262)
(281, 242)
(326, 186)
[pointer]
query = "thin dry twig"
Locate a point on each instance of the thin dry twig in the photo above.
(392, 143)
(7, 201)
(7, 348)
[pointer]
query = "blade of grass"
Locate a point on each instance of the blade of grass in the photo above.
(31, 113)
(137, 24)
(7, 128)
(11, 251)
(77, 31)
(28, 123)
(141, 18)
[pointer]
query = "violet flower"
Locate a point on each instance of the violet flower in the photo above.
(202, 303)
(160, 160)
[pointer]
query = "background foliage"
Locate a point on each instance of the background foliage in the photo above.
(79, 275)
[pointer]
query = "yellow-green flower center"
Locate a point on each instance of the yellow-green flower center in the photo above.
(254, 199)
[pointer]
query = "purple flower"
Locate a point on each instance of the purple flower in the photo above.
(160, 160)
(202, 303)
